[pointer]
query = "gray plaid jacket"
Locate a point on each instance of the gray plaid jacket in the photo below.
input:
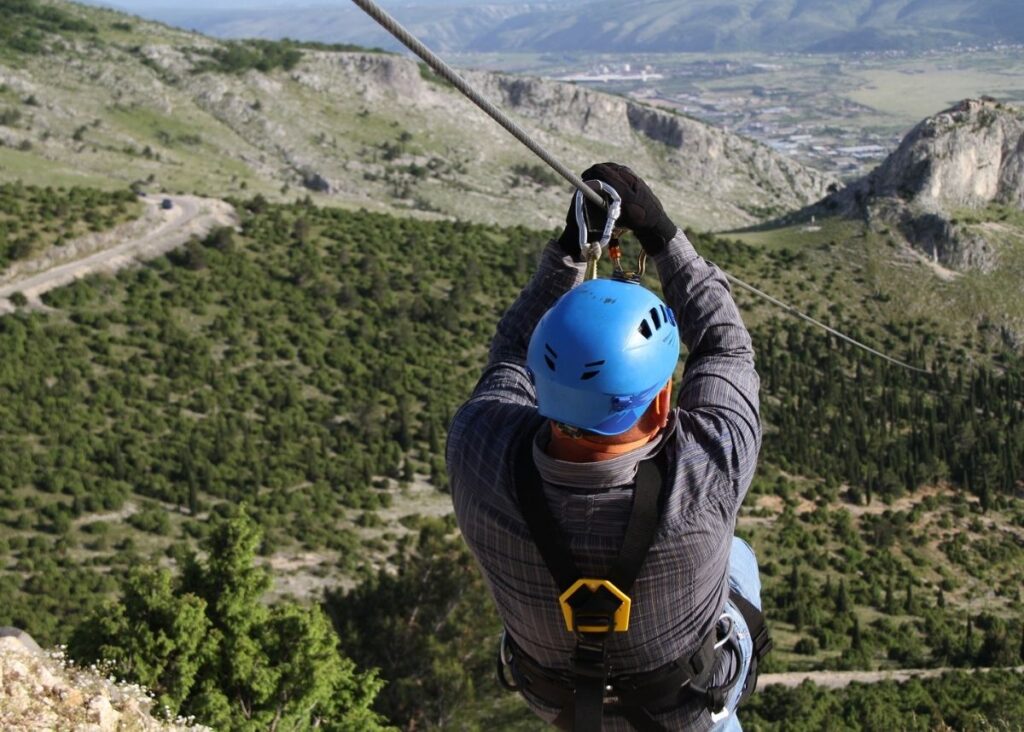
(712, 440)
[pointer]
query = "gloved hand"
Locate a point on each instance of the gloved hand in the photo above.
(642, 212)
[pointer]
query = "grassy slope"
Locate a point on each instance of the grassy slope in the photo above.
(870, 276)
(124, 104)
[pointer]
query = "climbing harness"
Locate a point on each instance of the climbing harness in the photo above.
(447, 73)
(594, 608)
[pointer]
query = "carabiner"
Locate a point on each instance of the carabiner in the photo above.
(593, 249)
(615, 254)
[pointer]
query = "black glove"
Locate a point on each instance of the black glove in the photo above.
(642, 212)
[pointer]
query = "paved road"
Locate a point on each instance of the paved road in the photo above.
(190, 216)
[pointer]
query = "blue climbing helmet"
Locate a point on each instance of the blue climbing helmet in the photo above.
(601, 354)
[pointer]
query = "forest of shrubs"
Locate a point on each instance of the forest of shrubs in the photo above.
(33, 219)
(302, 367)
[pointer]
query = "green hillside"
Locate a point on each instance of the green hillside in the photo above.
(202, 453)
(307, 368)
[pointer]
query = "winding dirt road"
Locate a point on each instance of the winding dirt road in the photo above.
(156, 233)
(839, 679)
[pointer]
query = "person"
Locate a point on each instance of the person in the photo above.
(546, 462)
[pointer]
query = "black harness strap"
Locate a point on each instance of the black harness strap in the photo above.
(547, 534)
(544, 530)
(590, 608)
(636, 696)
(643, 522)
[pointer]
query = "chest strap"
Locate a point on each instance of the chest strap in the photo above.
(592, 607)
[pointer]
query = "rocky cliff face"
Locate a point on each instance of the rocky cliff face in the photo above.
(945, 179)
(710, 178)
(696, 156)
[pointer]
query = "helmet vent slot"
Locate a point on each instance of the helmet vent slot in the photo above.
(645, 329)
(669, 315)
(656, 318)
(589, 375)
(549, 356)
(594, 363)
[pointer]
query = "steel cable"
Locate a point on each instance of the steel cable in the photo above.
(449, 74)
(803, 316)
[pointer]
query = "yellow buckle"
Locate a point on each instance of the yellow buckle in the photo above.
(620, 619)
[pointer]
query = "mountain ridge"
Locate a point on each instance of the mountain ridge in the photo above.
(142, 102)
(648, 25)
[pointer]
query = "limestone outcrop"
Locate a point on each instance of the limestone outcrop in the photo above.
(948, 185)
(42, 691)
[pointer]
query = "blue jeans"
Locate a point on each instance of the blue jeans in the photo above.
(744, 578)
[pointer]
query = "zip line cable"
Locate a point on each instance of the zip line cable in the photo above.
(803, 316)
(449, 74)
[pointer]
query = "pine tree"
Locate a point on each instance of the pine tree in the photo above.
(154, 635)
(968, 653)
(210, 647)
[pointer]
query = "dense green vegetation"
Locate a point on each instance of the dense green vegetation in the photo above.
(310, 363)
(430, 624)
(25, 25)
(208, 647)
(293, 369)
(33, 218)
(235, 57)
(337, 47)
(960, 701)
(930, 586)
(962, 422)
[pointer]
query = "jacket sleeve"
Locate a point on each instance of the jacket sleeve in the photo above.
(505, 384)
(718, 397)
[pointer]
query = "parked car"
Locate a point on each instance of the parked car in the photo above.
(167, 204)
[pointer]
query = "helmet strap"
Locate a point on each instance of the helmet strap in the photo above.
(587, 439)
(569, 431)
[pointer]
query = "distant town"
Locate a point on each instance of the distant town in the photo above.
(799, 105)
(776, 116)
